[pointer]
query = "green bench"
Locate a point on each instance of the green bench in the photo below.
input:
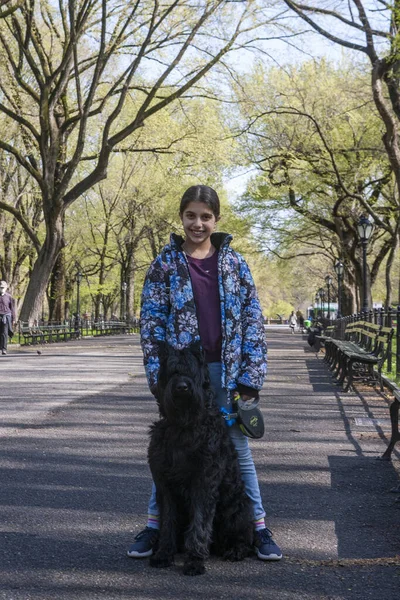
(109, 328)
(361, 355)
(47, 333)
(327, 334)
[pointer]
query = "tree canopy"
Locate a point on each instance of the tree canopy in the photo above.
(110, 109)
(314, 134)
(82, 78)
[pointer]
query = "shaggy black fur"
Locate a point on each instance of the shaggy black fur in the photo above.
(195, 468)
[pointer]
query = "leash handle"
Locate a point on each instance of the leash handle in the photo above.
(245, 404)
(249, 416)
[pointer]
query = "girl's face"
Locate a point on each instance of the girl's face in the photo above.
(198, 222)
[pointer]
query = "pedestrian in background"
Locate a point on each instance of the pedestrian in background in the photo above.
(292, 321)
(7, 316)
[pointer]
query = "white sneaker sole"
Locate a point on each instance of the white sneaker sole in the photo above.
(268, 556)
(134, 554)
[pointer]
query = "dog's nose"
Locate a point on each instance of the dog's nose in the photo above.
(181, 387)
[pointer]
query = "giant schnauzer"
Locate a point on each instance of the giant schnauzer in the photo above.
(195, 468)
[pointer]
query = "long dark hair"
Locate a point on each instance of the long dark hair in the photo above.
(200, 193)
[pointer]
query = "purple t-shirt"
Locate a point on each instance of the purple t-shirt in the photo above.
(204, 276)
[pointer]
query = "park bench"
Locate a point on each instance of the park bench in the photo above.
(30, 335)
(361, 354)
(356, 335)
(109, 327)
(325, 335)
(318, 336)
(47, 333)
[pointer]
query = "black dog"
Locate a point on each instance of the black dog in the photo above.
(194, 465)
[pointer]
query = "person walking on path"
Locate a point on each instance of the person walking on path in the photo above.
(7, 316)
(300, 321)
(200, 289)
(292, 321)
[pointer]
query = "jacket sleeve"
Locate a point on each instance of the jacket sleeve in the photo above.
(253, 368)
(153, 318)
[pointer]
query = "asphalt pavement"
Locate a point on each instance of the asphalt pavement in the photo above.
(75, 482)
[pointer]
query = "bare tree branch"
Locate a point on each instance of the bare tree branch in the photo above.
(25, 225)
(10, 7)
(299, 11)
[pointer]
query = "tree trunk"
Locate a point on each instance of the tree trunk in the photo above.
(33, 301)
(57, 290)
(348, 304)
(97, 307)
(130, 272)
(398, 245)
(8, 250)
(130, 298)
(388, 270)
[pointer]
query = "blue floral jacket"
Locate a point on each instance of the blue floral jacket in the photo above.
(169, 313)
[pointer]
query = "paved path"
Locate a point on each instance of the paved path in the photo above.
(75, 482)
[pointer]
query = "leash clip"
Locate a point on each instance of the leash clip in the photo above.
(230, 418)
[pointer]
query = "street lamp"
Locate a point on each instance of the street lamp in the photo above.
(365, 229)
(78, 300)
(328, 281)
(339, 268)
(321, 293)
(124, 288)
(316, 305)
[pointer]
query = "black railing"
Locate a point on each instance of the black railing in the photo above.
(101, 327)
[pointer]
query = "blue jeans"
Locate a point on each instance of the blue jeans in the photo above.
(241, 444)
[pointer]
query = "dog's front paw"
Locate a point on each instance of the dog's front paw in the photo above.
(236, 554)
(194, 566)
(161, 562)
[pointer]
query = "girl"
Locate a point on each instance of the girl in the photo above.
(198, 288)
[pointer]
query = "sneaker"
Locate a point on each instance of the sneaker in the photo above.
(265, 546)
(3, 352)
(144, 543)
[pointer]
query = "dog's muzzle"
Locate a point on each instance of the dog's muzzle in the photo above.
(181, 387)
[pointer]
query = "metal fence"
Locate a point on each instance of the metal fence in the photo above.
(90, 328)
(387, 317)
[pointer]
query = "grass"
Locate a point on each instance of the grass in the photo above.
(392, 374)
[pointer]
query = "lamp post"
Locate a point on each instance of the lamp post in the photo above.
(365, 229)
(328, 281)
(339, 268)
(78, 301)
(124, 287)
(321, 293)
(316, 305)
